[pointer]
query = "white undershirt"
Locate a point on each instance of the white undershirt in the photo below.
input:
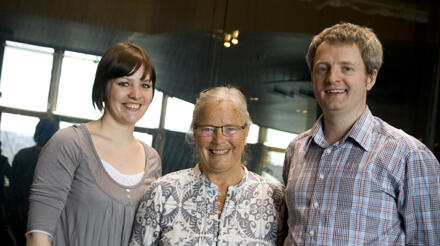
(123, 179)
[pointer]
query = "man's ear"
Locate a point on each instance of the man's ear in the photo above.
(371, 79)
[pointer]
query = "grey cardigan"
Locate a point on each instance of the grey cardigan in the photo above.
(73, 198)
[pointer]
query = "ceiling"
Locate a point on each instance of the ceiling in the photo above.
(185, 44)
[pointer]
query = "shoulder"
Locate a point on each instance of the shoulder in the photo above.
(67, 141)
(396, 146)
(300, 140)
(176, 178)
(168, 184)
(254, 178)
(24, 152)
(396, 137)
(151, 153)
(154, 162)
(68, 135)
(150, 150)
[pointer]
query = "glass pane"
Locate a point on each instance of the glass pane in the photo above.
(151, 118)
(17, 132)
(273, 168)
(275, 158)
(278, 139)
(253, 134)
(144, 137)
(270, 177)
(178, 115)
(26, 75)
(75, 88)
(64, 124)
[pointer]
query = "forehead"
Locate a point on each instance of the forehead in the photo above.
(338, 52)
(220, 112)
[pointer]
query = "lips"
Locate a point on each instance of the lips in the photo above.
(335, 91)
(219, 152)
(132, 105)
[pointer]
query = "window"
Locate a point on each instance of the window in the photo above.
(253, 134)
(64, 124)
(275, 158)
(26, 75)
(17, 132)
(25, 85)
(75, 88)
(151, 118)
(278, 139)
(178, 115)
(144, 137)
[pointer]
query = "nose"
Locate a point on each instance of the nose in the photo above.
(333, 75)
(218, 136)
(135, 92)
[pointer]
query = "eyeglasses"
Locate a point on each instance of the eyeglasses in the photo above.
(209, 131)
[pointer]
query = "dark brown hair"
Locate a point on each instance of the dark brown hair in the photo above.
(122, 59)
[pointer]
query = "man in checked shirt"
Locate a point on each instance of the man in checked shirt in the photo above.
(353, 179)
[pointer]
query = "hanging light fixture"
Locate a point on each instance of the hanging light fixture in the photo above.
(227, 42)
(235, 34)
(231, 39)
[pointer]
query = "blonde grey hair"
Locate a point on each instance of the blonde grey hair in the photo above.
(215, 95)
(347, 33)
(220, 93)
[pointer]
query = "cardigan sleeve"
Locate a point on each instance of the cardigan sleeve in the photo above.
(52, 180)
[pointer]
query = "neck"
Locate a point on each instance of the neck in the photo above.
(336, 125)
(223, 179)
(111, 130)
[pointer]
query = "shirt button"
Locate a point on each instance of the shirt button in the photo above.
(128, 190)
(311, 233)
(128, 196)
(321, 176)
(315, 204)
(328, 151)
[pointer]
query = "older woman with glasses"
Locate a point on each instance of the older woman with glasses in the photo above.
(218, 202)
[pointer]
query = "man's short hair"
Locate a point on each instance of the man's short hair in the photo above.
(347, 33)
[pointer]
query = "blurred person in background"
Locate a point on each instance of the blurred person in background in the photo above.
(22, 173)
(5, 170)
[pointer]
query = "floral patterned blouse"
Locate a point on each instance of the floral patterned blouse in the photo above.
(181, 209)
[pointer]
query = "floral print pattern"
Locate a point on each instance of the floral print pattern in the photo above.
(181, 209)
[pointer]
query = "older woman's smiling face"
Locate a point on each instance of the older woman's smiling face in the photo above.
(219, 153)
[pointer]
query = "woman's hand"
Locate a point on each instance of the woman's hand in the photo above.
(37, 239)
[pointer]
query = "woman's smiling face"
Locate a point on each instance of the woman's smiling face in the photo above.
(128, 97)
(219, 153)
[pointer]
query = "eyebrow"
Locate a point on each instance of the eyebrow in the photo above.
(127, 77)
(338, 63)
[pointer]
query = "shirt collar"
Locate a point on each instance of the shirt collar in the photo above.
(360, 132)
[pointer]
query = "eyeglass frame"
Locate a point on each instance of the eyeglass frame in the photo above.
(239, 128)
